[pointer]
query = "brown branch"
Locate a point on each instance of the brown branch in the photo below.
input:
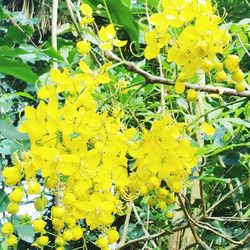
(189, 246)
(151, 237)
(156, 79)
(126, 223)
(198, 240)
(243, 242)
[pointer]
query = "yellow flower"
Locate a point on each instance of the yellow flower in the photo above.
(77, 233)
(7, 228)
(69, 199)
(108, 40)
(12, 208)
(11, 241)
(179, 87)
(239, 86)
(58, 212)
(60, 241)
(16, 195)
(68, 235)
(221, 76)
(192, 95)
(58, 224)
(33, 187)
(39, 225)
(11, 175)
(208, 128)
(178, 12)
(87, 12)
(113, 236)
(169, 214)
(42, 241)
(238, 75)
(155, 41)
(102, 242)
(40, 203)
(232, 62)
(83, 47)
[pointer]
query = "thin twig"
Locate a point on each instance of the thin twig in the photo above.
(189, 246)
(224, 198)
(143, 228)
(126, 223)
(198, 240)
(151, 237)
(14, 23)
(242, 243)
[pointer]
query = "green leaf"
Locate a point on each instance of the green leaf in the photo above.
(17, 69)
(51, 52)
(8, 131)
(25, 231)
(120, 14)
(16, 34)
(9, 52)
(27, 95)
(8, 147)
(127, 3)
(211, 178)
(4, 200)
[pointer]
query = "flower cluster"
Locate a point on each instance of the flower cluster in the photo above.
(89, 160)
(194, 40)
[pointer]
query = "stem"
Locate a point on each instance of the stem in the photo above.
(143, 228)
(198, 240)
(125, 229)
(224, 197)
(54, 28)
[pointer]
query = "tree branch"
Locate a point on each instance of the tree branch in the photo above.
(151, 237)
(156, 79)
(198, 240)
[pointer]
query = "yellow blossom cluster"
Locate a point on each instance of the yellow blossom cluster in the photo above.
(193, 38)
(89, 160)
(84, 157)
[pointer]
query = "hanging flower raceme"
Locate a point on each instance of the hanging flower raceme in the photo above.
(81, 156)
(194, 40)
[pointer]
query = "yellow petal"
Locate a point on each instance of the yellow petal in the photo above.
(103, 34)
(104, 78)
(106, 46)
(179, 87)
(158, 20)
(150, 37)
(119, 43)
(86, 20)
(111, 31)
(151, 51)
(84, 67)
(86, 10)
(208, 128)
(83, 47)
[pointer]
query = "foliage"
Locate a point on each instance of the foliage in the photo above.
(108, 157)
